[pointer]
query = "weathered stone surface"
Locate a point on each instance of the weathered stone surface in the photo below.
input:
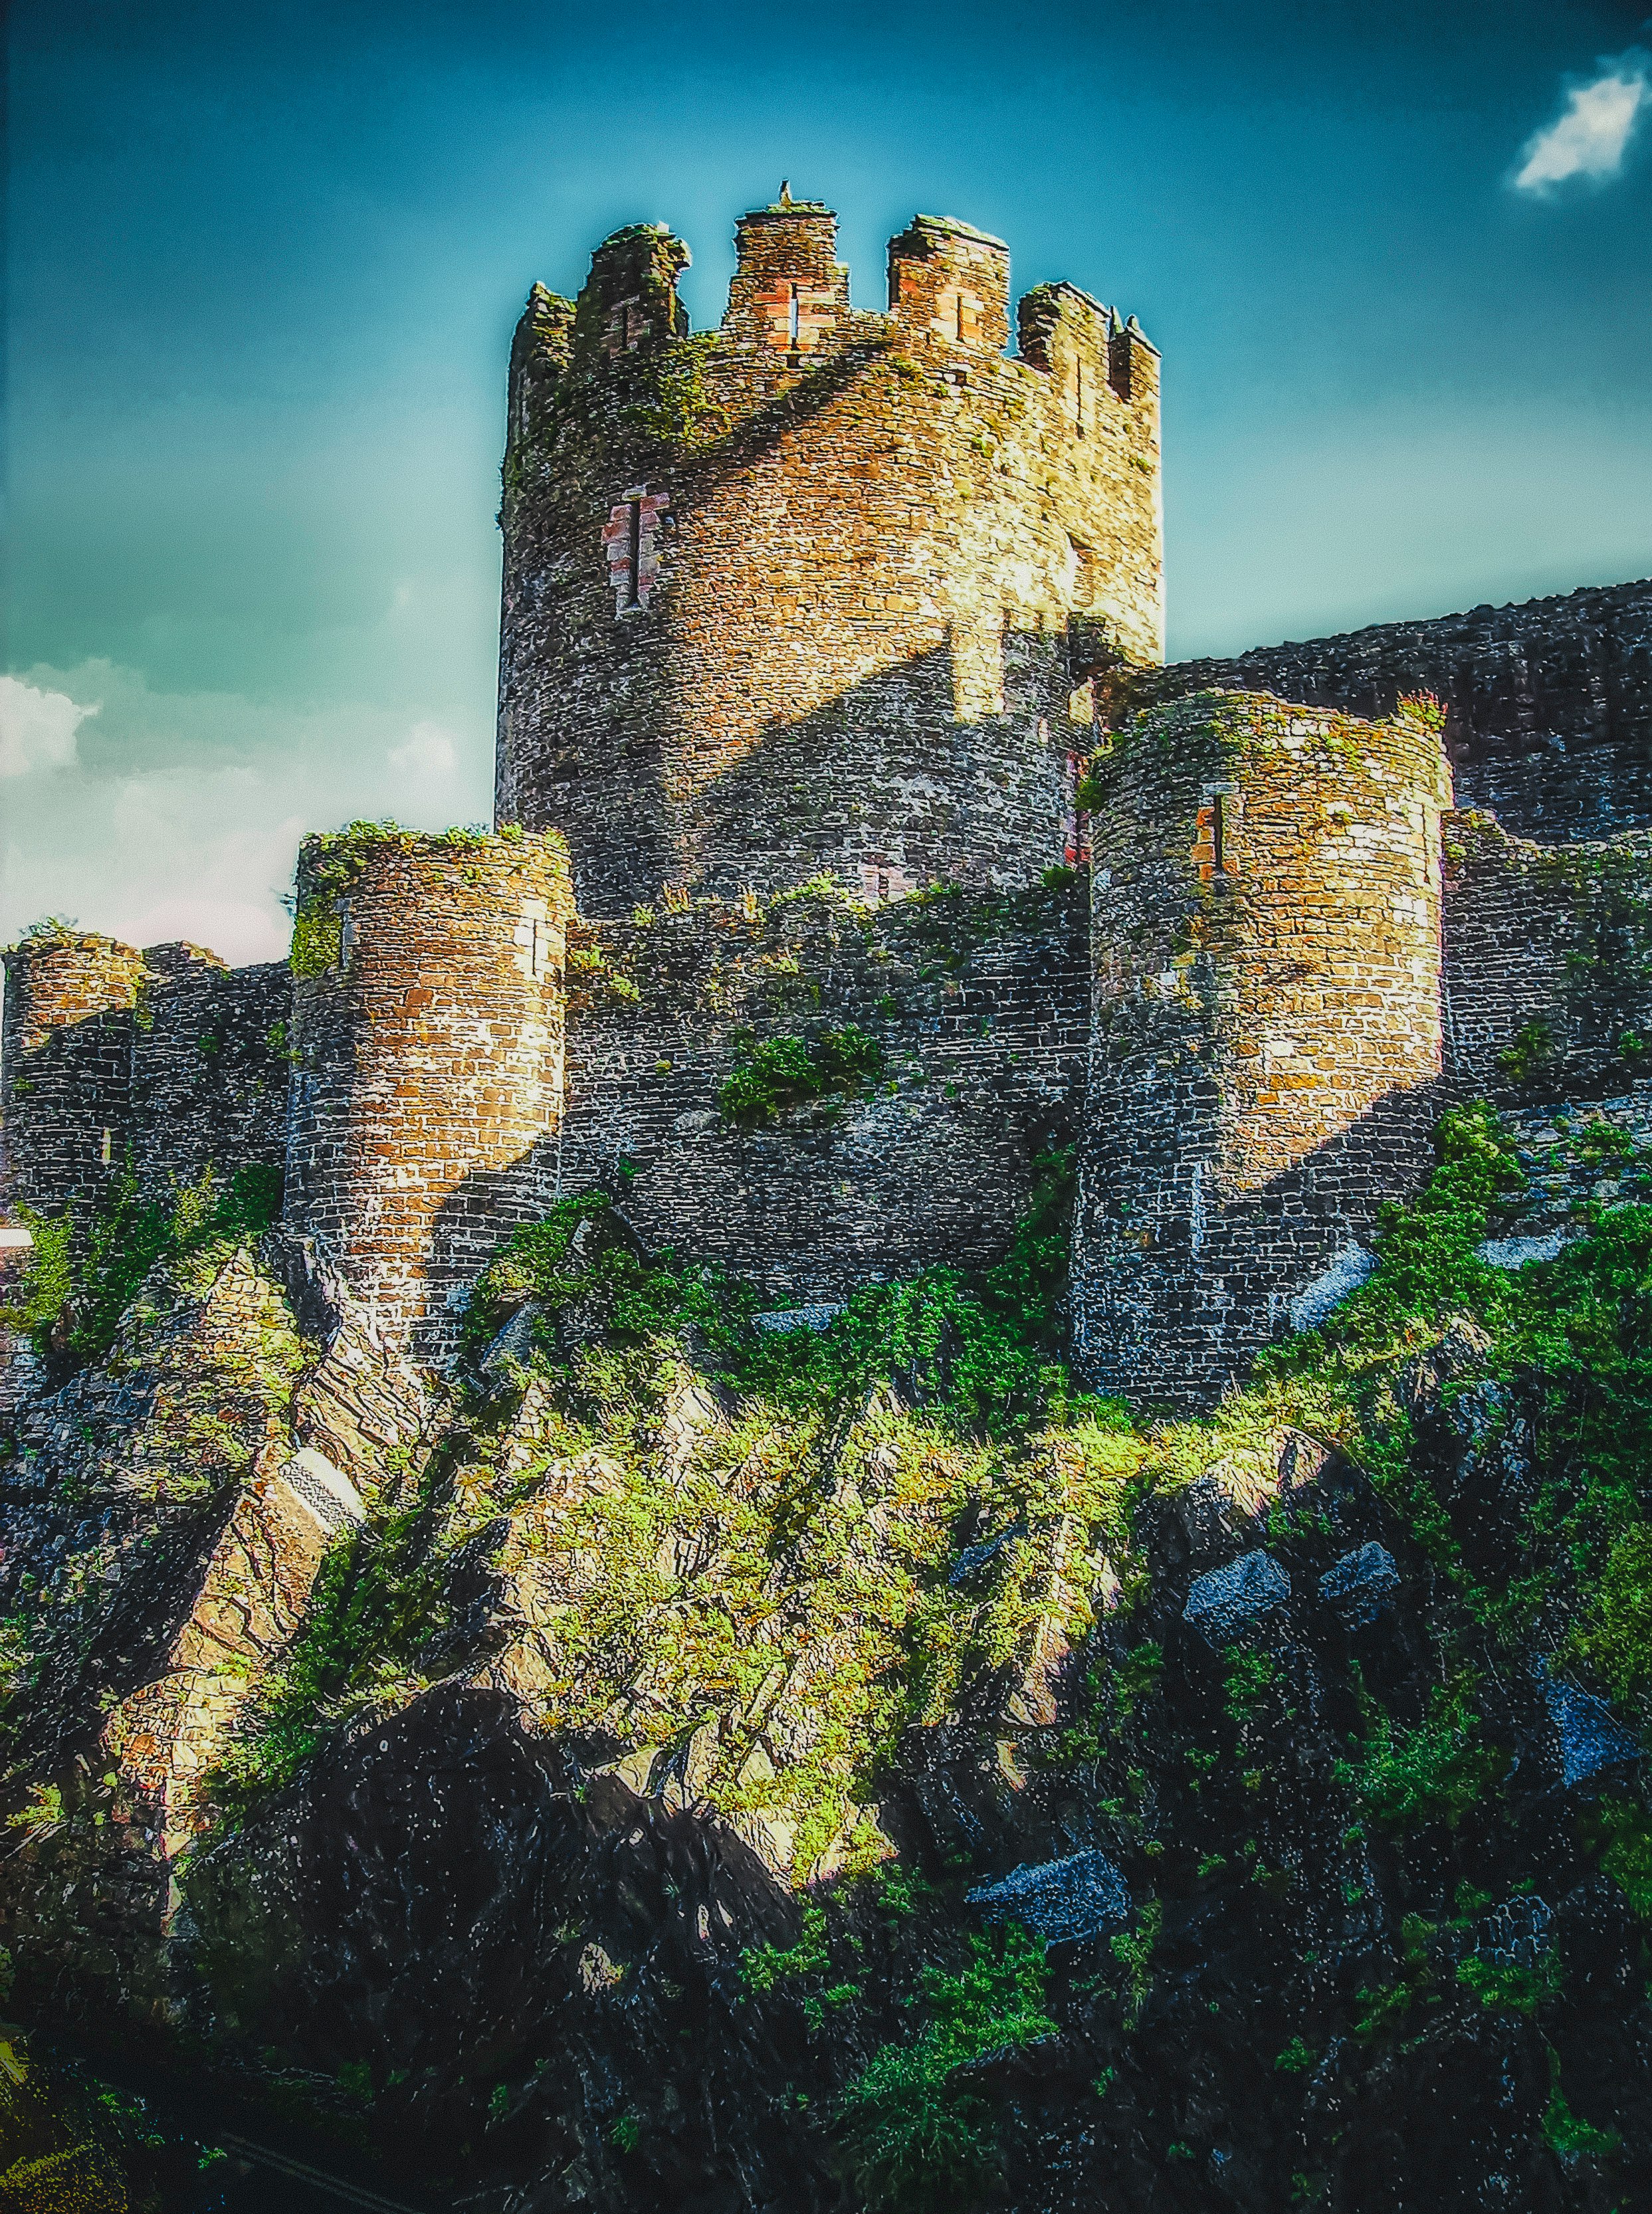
(1063, 1900)
(1361, 1584)
(1227, 1601)
(1548, 703)
(1591, 1741)
(1521, 1252)
(160, 1064)
(429, 1084)
(1265, 937)
(820, 592)
(1316, 1302)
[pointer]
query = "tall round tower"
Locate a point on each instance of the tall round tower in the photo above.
(821, 591)
(65, 1080)
(1266, 1025)
(427, 1034)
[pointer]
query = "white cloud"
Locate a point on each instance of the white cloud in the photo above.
(427, 750)
(184, 819)
(1590, 137)
(37, 729)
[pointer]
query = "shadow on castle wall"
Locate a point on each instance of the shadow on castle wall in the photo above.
(949, 764)
(1176, 1289)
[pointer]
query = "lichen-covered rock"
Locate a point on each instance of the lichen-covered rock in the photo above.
(1360, 1584)
(1062, 1901)
(1227, 1601)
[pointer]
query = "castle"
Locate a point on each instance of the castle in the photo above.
(831, 707)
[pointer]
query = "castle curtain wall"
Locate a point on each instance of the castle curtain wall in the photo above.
(1548, 703)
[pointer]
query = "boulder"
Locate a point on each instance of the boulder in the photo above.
(1591, 1738)
(1062, 1901)
(1358, 1586)
(1228, 1599)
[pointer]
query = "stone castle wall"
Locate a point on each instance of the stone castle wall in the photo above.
(811, 626)
(164, 1062)
(1267, 1023)
(1548, 962)
(980, 1008)
(1548, 704)
(427, 1036)
(821, 591)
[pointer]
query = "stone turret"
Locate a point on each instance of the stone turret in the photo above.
(67, 1074)
(820, 592)
(427, 1031)
(1266, 1025)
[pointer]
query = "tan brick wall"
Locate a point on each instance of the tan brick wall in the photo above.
(860, 542)
(428, 1084)
(1266, 1028)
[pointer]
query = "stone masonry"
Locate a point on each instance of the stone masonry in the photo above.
(820, 593)
(162, 1063)
(1267, 1026)
(816, 630)
(428, 1041)
(1548, 704)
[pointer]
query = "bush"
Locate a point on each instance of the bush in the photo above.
(917, 2139)
(1615, 1638)
(1434, 1773)
(74, 1292)
(771, 1074)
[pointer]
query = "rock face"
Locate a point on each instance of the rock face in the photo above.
(597, 1785)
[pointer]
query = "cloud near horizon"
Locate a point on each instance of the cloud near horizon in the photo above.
(1591, 135)
(179, 815)
(38, 729)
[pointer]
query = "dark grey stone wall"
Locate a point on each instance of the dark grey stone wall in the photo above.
(981, 1007)
(1548, 703)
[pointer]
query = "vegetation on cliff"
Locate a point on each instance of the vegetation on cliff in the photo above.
(890, 1608)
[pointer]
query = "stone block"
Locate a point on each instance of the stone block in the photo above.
(1591, 1739)
(1358, 1586)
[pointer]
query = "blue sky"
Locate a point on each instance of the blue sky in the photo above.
(264, 264)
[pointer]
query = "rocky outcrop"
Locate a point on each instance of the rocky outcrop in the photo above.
(579, 1786)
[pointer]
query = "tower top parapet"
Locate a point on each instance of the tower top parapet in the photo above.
(820, 590)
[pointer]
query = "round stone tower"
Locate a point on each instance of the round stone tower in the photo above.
(822, 591)
(1266, 1027)
(427, 1033)
(65, 1077)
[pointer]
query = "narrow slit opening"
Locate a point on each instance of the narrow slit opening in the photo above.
(633, 547)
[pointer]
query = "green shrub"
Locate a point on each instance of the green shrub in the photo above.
(1434, 1773)
(75, 1291)
(1529, 1052)
(771, 1074)
(1567, 2133)
(1512, 1986)
(917, 2140)
(1615, 1637)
